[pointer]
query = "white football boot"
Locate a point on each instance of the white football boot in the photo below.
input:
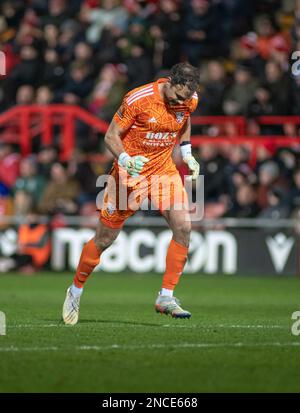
(70, 311)
(170, 305)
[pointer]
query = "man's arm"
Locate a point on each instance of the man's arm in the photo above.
(186, 150)
(185, 133)
(113, 141)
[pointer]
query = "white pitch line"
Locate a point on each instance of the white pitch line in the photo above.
(151, 346)
(211, 326)
(126, 325)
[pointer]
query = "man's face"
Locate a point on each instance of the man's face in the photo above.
(176, 94)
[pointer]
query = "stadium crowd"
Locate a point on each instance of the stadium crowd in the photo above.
(90, 52)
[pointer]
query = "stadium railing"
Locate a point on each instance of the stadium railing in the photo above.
(21, 124)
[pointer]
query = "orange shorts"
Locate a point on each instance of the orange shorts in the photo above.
(124, 195)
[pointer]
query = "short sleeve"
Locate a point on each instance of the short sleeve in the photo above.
(194, 102)
(125, 115)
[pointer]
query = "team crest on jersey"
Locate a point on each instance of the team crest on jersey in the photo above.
(179, 116)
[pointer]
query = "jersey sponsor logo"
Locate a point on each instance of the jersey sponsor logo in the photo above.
(179, 116)
(161, 135)
(160, 138)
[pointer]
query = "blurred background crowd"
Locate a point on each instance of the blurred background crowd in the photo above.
(90, 52)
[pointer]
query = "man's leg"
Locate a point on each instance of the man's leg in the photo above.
(90, 256)
(180, 225)
(177, 252)
(89, 259)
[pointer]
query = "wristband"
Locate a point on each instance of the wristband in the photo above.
(123, 157)
(186, 150)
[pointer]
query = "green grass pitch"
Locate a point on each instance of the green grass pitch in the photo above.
(238, 340)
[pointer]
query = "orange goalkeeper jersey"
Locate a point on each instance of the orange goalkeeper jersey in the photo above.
(152, 126)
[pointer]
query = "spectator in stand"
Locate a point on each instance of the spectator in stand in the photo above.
(295, 190)
(240, 93)
(33, 248)
(58, 11)
(107, 78)
(83, 52)
(244, 205)
(111, 13)
(77, 86)
(277, 205)
(246, 53)
(44, 96)
(29, 186)
(6, 205)
(60, 193)
(265, 152)
(25, 95)
(28, 70)
(139, 67)
(280, 52)
(238, 157)
(287, 162)
(9, 165)
(12, 12)
(166, 31)
(201, 39)
(80, 169)
(46, 156)
(70, 34)
(51, 35)
(266, 31)
(34, 244)
(263, 104)
(268, 177)
(279, 85)
(295, 98)
(214, 89)
(212, 167)
(107, 94)
(53, 72)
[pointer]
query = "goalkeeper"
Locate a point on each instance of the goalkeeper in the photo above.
(141, 136)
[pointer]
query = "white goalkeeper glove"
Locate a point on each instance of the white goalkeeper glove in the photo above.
(132, 164)
(194, 167)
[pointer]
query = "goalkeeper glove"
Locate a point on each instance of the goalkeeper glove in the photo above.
(194, 167)
(132, 164)
(186, 152)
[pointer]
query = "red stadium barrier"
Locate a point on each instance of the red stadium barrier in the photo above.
(22, 123)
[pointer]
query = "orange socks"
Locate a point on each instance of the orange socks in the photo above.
(175, 261)
(89, 259)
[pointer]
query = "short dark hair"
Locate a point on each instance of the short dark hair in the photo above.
(185, 74)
